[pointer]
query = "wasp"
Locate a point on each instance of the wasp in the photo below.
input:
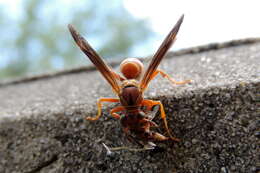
(130, 88)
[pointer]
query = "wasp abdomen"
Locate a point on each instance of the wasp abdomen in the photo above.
(131, 68)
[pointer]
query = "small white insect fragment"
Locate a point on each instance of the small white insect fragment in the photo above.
(109, 152)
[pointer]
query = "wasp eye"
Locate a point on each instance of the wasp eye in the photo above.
(131, 68)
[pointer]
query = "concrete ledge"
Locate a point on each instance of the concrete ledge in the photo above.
(192, 50)
(42, 126)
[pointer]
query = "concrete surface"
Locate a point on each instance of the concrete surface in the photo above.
(42, 126)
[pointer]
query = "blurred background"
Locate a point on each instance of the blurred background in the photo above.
(34, 37)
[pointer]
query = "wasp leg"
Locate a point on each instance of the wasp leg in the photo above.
(116, 109)
(158, 137)
(151, 112)
(150, 103)
(99, 105)
(124, 148)
(165, 75)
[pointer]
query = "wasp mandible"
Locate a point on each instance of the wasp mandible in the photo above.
(131, 86)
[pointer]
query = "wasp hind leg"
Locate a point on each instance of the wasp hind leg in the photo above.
(99, 105)
(165, 75)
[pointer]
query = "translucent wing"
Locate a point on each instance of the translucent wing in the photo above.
(105, 70)
(157, 58)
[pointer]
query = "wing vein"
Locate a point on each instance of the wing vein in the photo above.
(159, 55)
(105, 70)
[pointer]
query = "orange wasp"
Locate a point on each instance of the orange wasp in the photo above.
(130, 88)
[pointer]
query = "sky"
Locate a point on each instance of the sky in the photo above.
(205, 21)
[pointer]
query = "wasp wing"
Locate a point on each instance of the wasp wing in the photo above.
(157, 58)
(105, 70)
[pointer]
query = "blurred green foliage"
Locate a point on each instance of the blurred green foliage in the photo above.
(35, 38)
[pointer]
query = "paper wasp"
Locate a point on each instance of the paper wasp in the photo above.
(130, 88)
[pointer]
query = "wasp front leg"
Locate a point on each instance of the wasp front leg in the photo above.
(149, 104)
(158, 137)
(99, 105)
(116, 109)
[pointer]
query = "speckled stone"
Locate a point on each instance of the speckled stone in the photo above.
(42, 125)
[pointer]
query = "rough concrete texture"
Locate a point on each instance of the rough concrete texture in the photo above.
(42, 126)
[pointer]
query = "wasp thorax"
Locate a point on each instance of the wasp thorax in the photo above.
(130, 95)
(131, 68)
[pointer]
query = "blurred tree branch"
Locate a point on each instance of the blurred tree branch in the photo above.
(38, 40)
